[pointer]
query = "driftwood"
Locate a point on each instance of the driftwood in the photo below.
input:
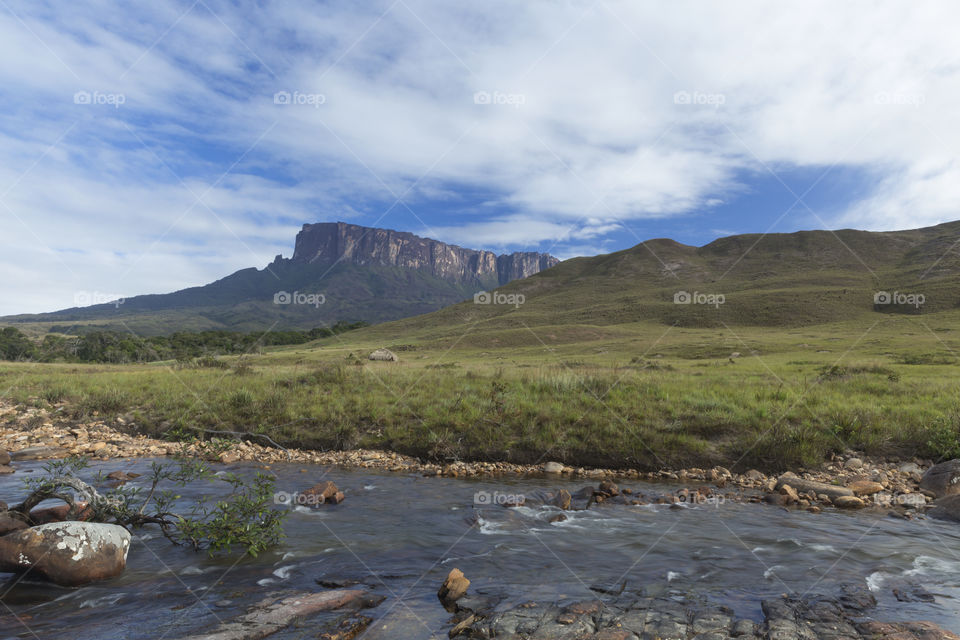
(273, 615)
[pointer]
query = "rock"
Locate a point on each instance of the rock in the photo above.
(272, 615)
(609, 488)
(122, 476)
(39, 453)
(942, 479)
(453, 588)
(6, 469)
(909, 467)
(777, 499)
(853, 463)
(553, 467)
(562, 499)
(9, 524)
(790, 493)
(322, 493)
(560, 517)
(67, 553)
(229, 457)
(819, 488)
(946, 508)
(753, 474)
(864, 487)
(848, 502)
(4, 458)
(384, 355)
(60, 513)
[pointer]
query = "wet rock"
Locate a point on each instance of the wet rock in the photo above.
(942, 479)
(777, 499)
(848, 502)
(6, 469)
(322, 493)
(790, 493)
(913, 593)
(946, 508)
(67, 553)
(61, 513)
(819, 488)
(4, 458)
(609, 488)
(272, 615)
(39, 453)
(864, 487)
(905, 631)
(453, 588)
(558, 518)
(9, 524)
(122, 476)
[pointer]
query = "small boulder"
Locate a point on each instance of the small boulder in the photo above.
(6, 469)
(553, 467)
(848, 502)
(946, 508)
(453, 588)
(819, 488)
(865, 487)
(853, 463)
(384, 355)
(790, 493)
(4, 458)
(60, 513)
(9, 524)
(322, 493)
(609, 488)
(942, 479)
(67, 553)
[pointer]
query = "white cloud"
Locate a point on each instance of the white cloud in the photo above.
(598, 113)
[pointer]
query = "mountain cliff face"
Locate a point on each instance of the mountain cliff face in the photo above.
(363, 273)
(338, 242)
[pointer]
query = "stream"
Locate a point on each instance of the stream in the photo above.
(402, 534)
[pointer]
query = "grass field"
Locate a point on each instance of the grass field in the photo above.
(641, 395)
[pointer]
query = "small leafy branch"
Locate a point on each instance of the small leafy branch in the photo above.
(244, 518)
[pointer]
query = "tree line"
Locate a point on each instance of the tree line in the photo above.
(99, 346)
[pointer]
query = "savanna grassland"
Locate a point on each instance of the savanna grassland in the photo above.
(640, 395)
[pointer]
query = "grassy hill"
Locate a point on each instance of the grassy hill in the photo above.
(599, 366)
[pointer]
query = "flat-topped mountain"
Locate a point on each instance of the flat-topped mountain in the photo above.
(338, 272)
(338, 242)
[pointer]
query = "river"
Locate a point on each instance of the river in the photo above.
(402, 534)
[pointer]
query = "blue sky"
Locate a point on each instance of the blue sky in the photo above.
(146, 147)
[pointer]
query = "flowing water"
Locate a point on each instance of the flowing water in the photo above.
(402, 535)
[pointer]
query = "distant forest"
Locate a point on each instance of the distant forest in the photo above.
(115, 347)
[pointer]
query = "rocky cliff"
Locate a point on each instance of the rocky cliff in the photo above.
(339, 242)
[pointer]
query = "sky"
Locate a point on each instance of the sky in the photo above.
(148, 147)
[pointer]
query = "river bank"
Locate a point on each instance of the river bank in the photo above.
(848, 481)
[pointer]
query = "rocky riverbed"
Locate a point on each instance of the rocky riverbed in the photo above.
(849, 481)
